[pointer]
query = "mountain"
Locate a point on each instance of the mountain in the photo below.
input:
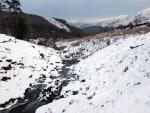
(94, 30)
(80, 25)
(98, 22)
(138, 18)
(62, 24)
(29, 26)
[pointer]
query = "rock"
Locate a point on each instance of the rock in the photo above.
(42, 55)
(137, 83)
(7, 67)
(20, 64)
(51, 63)
(102, 105)
(9, 60)
(126, 69)
(57, 82)
(30, 76)
(75, 92)
(63, 110)
(5, 78)
(82, 80)
(13, 62)
(57, 62)
(133, 47)
(33, 46)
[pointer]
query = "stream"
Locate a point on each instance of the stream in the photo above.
(31, 100)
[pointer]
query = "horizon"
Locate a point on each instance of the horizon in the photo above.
(83, 9)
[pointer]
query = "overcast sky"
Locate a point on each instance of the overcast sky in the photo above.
(83, 9)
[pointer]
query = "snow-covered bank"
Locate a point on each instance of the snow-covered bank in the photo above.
(112, 76)
(23, 65)
(115, 79)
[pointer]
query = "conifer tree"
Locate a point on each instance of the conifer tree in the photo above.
(2, 5)
(14, 6)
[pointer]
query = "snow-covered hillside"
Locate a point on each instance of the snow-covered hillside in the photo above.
(137, 18)
(115, 79)
(98, 22)
(89, 75)
(59, 24)
(23, 66)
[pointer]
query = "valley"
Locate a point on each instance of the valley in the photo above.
(55, 66)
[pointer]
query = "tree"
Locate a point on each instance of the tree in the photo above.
(20, 27)
(14, 6)
(2, 5)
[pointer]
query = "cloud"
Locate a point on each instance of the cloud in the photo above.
(72, 9)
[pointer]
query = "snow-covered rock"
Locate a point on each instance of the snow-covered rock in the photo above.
(115, 79)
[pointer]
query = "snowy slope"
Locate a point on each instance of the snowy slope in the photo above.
(106, 22)
(137, 18)
(23, 65)
(82, 48)
(115, 79)
(59, 24)
(142, 16)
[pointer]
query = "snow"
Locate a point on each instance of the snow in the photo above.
(28, 62)
(58, 24)
(137, 18)
(82, 48)
(116, 80)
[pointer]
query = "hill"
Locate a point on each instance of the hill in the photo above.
(29, 26)
(62, 24)
(134, 20)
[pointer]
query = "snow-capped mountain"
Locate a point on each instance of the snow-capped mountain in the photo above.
(97, 22)
(80, 25)
(65, 26)
(142, 17)
(58, 24)
(124, 20)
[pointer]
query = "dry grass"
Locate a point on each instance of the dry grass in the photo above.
(111, 33)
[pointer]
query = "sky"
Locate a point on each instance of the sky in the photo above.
(83, 9)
